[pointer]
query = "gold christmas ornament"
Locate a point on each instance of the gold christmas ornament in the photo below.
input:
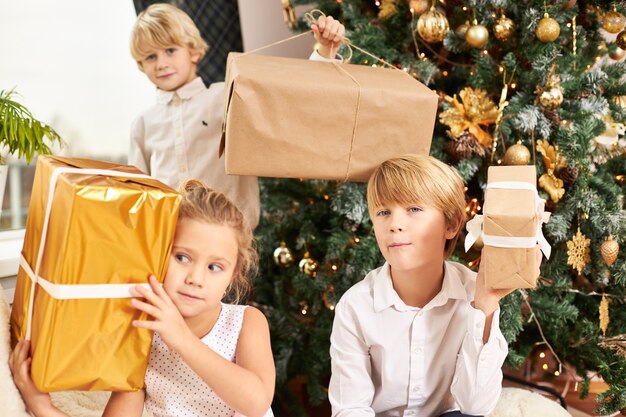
(308, 265)
(609, 250)
(387, 9)
(547, 29)
(475, 110)
(553, 161)
(612, 132)
(432, 26)
(617, 344)
(620, 100)
(289, 15)
(517, 154)
(476, 35)
(552, 185)
(419, 6)
(603, 310)
(503, 28)
(620, 39)
(551, 98)
(613, 21)
(283, 256)
(617, 54)
(578, 251)
(461, 30)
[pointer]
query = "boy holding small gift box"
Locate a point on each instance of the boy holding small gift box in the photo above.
(420, 335)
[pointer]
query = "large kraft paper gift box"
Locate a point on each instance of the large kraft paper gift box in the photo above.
(90, 236)
(513, 215)
(297, 118)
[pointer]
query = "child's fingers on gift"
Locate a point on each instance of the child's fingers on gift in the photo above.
(19, 355)
(147, 308)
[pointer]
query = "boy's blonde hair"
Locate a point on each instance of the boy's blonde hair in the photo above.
(162, 25)
(412, 179)
(204, 204)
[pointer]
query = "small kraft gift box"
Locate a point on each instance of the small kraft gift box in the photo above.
(94, 230)
(297, 118)
(513, 215)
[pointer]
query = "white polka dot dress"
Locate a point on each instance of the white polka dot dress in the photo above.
(174, 390)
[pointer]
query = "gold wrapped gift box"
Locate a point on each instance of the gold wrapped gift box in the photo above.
(296, 118)
(513, 215)
(102, 230)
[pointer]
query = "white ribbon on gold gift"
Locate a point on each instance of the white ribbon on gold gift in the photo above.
(475, 226)
(71, 291)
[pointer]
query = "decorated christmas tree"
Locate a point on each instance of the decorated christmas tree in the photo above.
(521, 82)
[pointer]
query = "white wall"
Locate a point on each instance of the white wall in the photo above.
(70, 62)
(262, 23)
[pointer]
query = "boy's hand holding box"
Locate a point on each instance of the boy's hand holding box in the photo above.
(513, 215)
(91, 235)
(297, 118)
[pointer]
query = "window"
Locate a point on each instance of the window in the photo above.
(69, 61)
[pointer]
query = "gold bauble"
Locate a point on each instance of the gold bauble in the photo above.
(551, 98)
(308, 265)
(618, 54)
(517, 154)
(620, 40)
(548, 29)
(613, 21)
(432, 26)
(419, 6)
(503, 28)
(477, 35)
(609, 250)
(283, 256)
(621, 101)
(461, 30)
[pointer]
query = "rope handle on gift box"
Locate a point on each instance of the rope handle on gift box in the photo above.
(62, 291)
(475, 226)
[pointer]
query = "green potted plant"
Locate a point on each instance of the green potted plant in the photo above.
(21, 134)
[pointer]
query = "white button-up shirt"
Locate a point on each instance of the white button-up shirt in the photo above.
(179, 137)
(390, 359)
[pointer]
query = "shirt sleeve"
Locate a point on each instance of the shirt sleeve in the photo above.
(477, 381)
(315, 56)
(137, 154)
(351, 389)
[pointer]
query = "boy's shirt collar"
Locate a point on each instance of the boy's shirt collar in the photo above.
(385, 296)
(185, 92)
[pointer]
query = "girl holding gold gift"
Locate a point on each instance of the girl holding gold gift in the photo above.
(208, 357)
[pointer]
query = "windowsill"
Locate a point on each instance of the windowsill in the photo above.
(11, 242)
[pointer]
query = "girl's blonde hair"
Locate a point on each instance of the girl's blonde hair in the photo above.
(412, 179)
(204, 204)
(162, 25)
